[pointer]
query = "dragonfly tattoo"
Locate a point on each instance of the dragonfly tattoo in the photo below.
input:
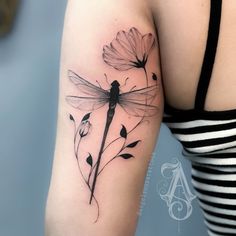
(136, 102)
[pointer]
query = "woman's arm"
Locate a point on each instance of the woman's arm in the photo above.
(110, 109)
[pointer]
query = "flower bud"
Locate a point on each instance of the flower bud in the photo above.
(84, 128)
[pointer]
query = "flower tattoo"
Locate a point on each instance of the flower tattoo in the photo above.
(128, 50)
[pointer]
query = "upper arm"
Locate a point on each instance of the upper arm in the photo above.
(104, 139)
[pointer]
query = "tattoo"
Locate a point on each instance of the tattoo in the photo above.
(128, 50)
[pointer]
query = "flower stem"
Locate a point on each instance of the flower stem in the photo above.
(145, 71)
(76, 149)
(114, 157)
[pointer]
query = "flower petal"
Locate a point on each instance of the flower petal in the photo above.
(136, 39)
(120, 66)
(122, 38)
(109, 52)
(148, 42)
(119, 48)
(116, 62)
(107, 58)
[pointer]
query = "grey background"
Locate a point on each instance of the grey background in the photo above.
(29, 68)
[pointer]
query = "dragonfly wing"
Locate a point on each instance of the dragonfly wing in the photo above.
(139, 109)
(142, 95)
(86, 103)
(86, 87)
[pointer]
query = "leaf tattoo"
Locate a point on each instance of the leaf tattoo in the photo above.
(126, 155)
(72, 118)
(132, 145)
(123, 132)
(90, 160)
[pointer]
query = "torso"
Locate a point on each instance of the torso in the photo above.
(182, 28)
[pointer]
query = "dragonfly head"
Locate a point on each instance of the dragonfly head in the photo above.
(115, 83)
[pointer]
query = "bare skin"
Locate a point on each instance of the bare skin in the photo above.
(182, 27)
(180, 31)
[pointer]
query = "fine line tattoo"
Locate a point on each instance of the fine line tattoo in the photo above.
(129, 50)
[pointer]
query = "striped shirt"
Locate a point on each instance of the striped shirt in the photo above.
(209, 142)
(208, 137)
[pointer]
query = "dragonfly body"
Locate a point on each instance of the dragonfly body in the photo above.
(113, 100)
